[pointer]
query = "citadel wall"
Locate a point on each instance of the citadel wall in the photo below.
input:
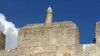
(51, 39)
(57, 39)
(94, 49)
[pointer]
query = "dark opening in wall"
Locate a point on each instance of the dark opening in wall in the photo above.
(94, 40)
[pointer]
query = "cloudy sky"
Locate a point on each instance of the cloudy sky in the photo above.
(11, 32)
(18, 13)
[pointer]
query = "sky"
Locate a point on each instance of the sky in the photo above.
(10, 31)
(85, 13)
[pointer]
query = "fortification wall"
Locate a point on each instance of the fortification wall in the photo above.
(57, 39)
(90, 50)
(51, 39)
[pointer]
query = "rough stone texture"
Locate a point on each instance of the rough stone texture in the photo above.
(2, 41)
(52, 39)
(59, 38)
(98, 38)
(49, 17)
(98, 34)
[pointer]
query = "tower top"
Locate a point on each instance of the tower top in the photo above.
(49, 9)
(49, 16)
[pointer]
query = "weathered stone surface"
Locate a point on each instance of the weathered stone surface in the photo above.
(2, 41)
(51, 39)
(44, 40)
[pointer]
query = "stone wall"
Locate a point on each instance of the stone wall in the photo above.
(51, 39)
(57, 39)
(90, 50)
(2, 41)
(98, 34)
(98, 38)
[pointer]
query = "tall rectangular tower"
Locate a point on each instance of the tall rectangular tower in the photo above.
(98, 34)
(2, 41)
(49, 38)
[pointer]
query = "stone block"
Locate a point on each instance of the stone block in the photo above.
(50, 49)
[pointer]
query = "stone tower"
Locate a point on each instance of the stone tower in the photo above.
(2, 41)
(49, 38)
(98, 34)
(49, 17)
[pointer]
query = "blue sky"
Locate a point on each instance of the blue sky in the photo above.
(85, 13)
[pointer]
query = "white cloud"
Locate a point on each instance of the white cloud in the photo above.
(11, 32)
